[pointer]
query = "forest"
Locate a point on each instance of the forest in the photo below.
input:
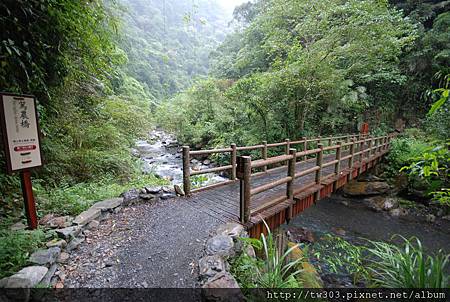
(106, 72)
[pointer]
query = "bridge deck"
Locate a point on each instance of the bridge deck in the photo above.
(223, 202)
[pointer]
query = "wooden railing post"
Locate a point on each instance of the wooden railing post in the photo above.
(244, 171)
(330, 141)
(288, 146)
(305, 146)
(290, 184)
(337, 166)
(264, 154)
(369, 148)
(233, 162)
(319, 140)
(318, 179)
(186, 171)
(350, 160)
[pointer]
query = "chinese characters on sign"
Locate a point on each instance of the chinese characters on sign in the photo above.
(21, 134)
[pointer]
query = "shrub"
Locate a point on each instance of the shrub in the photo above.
(407, 266)
(16, 247)
(272, 271)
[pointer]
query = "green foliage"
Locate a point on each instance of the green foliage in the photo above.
(407, 266)
(402, 152)
(72, 200)
(297, 68)
(340, 256)
(273, 271)
(16, 247)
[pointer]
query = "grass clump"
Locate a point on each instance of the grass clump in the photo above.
(72, 200)
(16, 247)
(273, 270)
(406, 266)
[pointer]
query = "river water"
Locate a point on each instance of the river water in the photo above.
(161, 155)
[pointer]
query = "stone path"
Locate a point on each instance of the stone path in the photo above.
(145, 245)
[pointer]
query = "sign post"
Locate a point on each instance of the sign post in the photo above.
(20, 130)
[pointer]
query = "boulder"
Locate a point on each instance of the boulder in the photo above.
(380, 203)
(222, 287)
(234, 230)
(146, 196)
(46, 281)
(74, 243)
(109, 204)
(398, 212)
(87, 216)
(299, 235)
(26, 278)
(46, 219)
(178, 190)
(210, 266)
(57, 243)
(18, 226)
(356, 188)
(153, 190)
(167, 196)
(221, 245)
(206, 162)
(93, 225)
(68, 232)
(63, 257)
(130, 197)
(45, 257)
(60, 222)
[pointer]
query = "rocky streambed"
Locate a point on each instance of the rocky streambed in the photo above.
(161, 155)
(368, 209)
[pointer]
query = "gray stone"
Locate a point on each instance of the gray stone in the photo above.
(60, 222)
(147, 196)
(167, 196)
(194, 161)
(46, 281)
(167, 189)
(44, 257)
(250, 251)
(57, 243)
(179, 190)
(87, 216)
(355, 188)
(231, 229)
(109, 204)
(398, 212)
(26, 278)
(389, 204)
(447, 217)
(74, 243)
(210, 266)
(430, 218)
(130, 197)
(153, 190)
(68, 232)
(18, 226)
(63, 257)
(206, 162)
(222, 287)
(93, 225)
(220, 245)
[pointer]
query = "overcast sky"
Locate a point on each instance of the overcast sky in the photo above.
(231, 4)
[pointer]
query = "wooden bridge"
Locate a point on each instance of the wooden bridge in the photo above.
(279, 187)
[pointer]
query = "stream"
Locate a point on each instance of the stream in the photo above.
(161, 155)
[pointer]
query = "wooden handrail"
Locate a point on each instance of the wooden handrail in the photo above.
(357, 145)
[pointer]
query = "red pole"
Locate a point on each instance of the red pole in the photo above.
(30, 205)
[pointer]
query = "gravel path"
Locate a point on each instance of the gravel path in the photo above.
(145, 245)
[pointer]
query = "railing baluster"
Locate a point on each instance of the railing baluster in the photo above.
(305, 146)
(290, 184)
(350, 160)
(186, 171)
(244, 174)
(233, 155)
(264, 154)
(337, 166)
(319, 159)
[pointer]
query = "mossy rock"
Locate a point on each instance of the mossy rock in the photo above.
(309, 277)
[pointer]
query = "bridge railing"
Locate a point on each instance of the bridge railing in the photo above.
(362, 150)
(304, 144)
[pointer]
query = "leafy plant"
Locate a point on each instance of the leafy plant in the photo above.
(407, 266)
(272, 271)
(16, 247)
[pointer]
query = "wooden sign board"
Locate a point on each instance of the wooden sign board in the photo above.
(20, 128)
